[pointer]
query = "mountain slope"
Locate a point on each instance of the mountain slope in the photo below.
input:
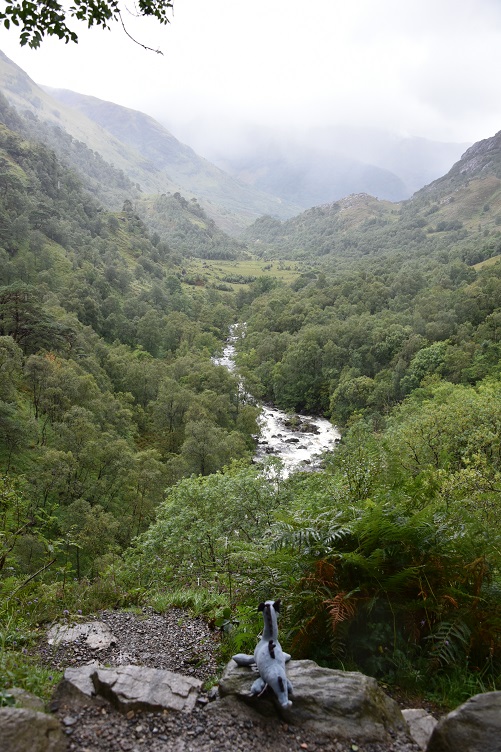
(462, 209)
(148, 154)
(184, 170)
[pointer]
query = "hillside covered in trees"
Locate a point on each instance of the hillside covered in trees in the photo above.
(125, 452)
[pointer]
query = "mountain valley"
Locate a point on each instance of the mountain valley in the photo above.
(126, 453)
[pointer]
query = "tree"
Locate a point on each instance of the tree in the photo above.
(40, 19)
(203, 522)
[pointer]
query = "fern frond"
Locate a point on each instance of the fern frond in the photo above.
(340, 608)
(309, 540)
(449, 599)
(402, 580)
(450, 642)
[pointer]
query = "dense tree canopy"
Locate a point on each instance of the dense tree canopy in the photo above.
(125, 450)
(37, 20)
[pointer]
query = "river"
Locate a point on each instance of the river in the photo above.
(297, 440)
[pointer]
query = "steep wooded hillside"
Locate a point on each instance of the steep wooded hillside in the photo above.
(108, 392)
(140, 147)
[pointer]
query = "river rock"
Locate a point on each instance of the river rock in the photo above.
(22, 729)
(474, 726)
(143, 688)
(421, 725)
(338, 704)
(309, 428)
(95, 634)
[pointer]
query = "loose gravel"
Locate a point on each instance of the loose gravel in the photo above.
(181, 643)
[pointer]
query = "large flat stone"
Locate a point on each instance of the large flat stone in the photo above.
(95, 634)
(24, 730)
(143, 688)
(339, 704)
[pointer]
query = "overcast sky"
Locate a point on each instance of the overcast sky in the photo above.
(427, 68)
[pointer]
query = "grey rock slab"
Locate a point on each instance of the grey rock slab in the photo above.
(143, 688)
(24, 699)
(421, 725)
(76, 686)
(22, 729)
(474, 726)
(95, 634)
(339, 704)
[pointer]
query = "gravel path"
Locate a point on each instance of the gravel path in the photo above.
(177, 642)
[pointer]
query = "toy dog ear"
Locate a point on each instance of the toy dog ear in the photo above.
(260, 607)
(276, 605)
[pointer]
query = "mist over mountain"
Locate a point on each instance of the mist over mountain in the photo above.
(259, 172)
(461, 210)
(325, 164)
(142, 148)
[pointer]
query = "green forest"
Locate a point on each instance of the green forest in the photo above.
(126, 454)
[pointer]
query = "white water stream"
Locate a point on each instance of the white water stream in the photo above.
(298, 440)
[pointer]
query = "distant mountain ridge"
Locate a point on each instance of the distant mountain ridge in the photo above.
(460, 209)
(278, 177)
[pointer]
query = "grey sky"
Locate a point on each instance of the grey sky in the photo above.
(418, 67)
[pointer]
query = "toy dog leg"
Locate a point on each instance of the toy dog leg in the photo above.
(258, 686)
(244, 660)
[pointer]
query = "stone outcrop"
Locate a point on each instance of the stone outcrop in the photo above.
(22, 729)
(336, 707)
(76, 685)
(143, 688)
(338, 704)
(131, 687)
(24, 699)
(474, 726)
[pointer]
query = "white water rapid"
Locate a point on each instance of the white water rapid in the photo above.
(297, 440)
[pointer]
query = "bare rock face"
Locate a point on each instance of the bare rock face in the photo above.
(131, 687)
(338, 704)
(143, 688)
(474, 726)
(22, 729)
(76, 686)
(421, 725)
(94, 634)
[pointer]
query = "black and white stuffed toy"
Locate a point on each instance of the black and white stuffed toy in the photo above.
(269, 658)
